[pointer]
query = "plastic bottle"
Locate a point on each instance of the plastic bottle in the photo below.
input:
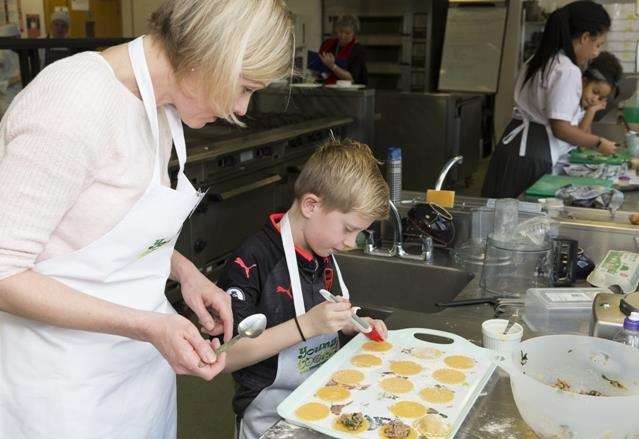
(630, 333)
(394, 173)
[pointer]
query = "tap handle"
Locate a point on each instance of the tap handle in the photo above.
(370, 237)
(427, 243)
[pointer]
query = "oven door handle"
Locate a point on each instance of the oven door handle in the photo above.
(223, 196)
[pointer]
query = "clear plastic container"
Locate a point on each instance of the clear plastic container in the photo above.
(629, 335)
(559, 310)
(394, 173)
(514, 266)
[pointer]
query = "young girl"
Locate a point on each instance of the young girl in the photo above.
(548, 93)
(599, 81)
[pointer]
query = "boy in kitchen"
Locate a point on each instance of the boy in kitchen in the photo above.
(280, 270)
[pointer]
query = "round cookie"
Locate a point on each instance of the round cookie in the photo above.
(408, 409)
(426, 353)
(459, 362)
(366, 360)
(377, 346)
(396, 385)
(333, 393)
(437, 395)
(432, 426)
(348, 377)
(449, 376)
(312, 411)
(339, 427)
(405, 368)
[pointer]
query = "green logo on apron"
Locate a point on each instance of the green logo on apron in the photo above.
(153, 247)
(310, 358)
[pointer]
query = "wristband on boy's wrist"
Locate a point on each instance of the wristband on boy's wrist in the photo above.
(299, 328)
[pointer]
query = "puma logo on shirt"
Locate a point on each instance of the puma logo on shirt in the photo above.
(283, 291)
(247, 269)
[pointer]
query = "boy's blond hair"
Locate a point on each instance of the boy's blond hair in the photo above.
(223, 41)
(346, 177)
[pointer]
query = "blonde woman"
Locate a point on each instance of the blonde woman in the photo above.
(89, 345)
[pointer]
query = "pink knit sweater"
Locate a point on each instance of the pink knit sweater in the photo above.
(76, 152)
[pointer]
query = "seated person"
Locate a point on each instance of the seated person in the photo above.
(600, 80)
(346, 49)
(280, 270)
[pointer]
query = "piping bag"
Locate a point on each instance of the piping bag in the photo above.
(362, 325)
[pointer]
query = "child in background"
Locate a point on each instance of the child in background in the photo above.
(600, 80)
(280, 270)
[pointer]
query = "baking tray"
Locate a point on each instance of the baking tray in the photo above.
(369, 398)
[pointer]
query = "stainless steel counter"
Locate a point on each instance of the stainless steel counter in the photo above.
(494, 414)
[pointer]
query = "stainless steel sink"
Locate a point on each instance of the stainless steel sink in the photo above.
(381, 285)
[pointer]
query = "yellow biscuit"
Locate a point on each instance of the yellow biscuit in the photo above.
(366, 360)
(408, 409)
(405, 367)
(377, 346)
(313, 411)
(333, 393)
(396, 385)
(426, 353)
(459, 362)
(348, 377)
(339, 427)
(437, 395)
(449, 376)
(432, 426)
(411, 435)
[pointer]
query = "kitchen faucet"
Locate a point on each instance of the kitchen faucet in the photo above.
(446, 169)
(398, 242)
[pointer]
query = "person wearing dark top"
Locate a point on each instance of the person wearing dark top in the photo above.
(279, 271)
(345, 48)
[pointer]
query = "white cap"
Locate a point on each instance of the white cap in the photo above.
(61, 15)
(634, 316)
(9, 30)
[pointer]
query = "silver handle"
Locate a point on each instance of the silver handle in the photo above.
(223, 196)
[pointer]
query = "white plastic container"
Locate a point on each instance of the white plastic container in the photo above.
(494, 338)
(586, 364)
(559, 310)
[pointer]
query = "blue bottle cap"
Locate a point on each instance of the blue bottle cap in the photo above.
(394, 153)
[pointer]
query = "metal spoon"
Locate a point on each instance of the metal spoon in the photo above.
(509, 325)
(250, 327)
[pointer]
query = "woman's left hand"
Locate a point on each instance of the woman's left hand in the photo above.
(378, 325)
(211, 304)
(328, 59)
(598, 106)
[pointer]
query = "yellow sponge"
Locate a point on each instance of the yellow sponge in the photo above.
(443, 198)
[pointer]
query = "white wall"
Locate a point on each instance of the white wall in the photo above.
(135, 15)
(310, 11)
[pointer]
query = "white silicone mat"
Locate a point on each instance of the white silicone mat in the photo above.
(375, 403)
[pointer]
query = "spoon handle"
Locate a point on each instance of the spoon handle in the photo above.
(508, 326)
(227, 345)
(222, 348)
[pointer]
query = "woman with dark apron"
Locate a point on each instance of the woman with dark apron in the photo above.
(547, 98)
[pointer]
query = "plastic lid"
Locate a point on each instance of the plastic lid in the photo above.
(632, 321)
(394, 153)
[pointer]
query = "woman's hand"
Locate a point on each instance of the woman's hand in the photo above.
(210, 303)
(328, 59)
(607, 147)
(325, 318)
(183, 347)
(378, 325)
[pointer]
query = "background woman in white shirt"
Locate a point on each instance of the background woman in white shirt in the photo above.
(547, 102)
